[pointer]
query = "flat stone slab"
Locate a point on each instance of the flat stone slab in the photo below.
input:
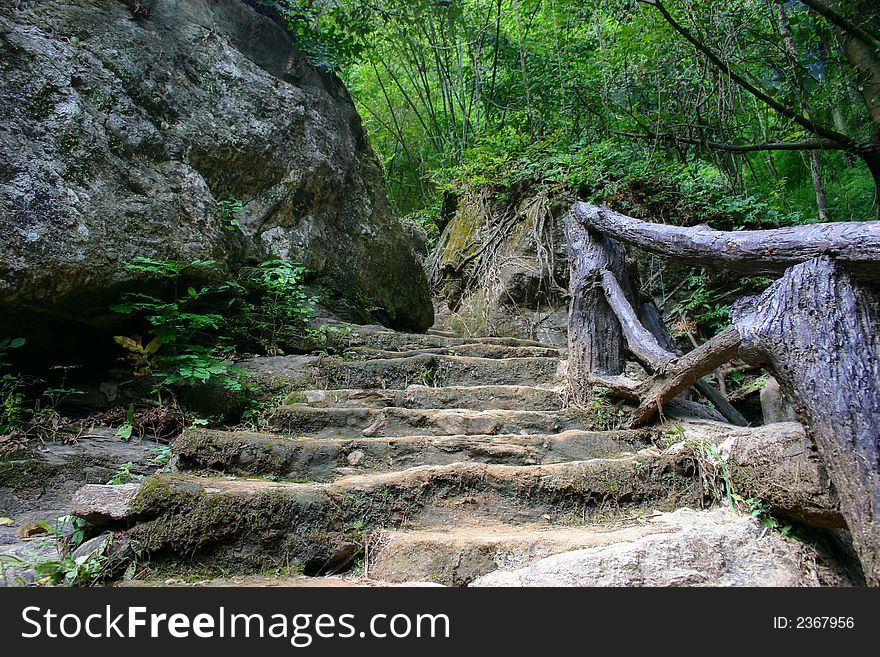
(99, 503)
(693, 548)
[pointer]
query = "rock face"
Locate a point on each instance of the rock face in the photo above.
(119, 134)
(694, 548)
(501, 266)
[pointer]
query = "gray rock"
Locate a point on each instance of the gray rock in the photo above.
(507, 282)
(99, 503)
(779, 465)
(92, 546)
(697, 548)
(774, 407)
(119, 134)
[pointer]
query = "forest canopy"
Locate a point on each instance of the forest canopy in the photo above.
(764, 111)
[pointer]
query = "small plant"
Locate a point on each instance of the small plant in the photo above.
(230, 209)
(125, 431)
(428, 377)
(12, 398)
(276, 305)
(675, 435)
(124, 475)
(184, 346)
(605, 415)
(161, 456)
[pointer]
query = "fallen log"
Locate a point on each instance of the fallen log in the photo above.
(855, 245)
(683, 373)
(651, 320)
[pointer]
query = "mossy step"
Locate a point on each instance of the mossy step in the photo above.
(250, 454)
(434, 370)
(455, 556)
(419, 396)
(246, 525)
(339, 422)
(442, 333)
(475, 350)
(379, 337)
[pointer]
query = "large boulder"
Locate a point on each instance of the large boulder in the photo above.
(689, 548)
(501, 265)
(123, 124)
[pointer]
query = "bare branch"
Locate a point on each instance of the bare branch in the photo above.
(842, 22)
(762, 95)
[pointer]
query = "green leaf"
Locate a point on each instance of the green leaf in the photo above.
(125, 431)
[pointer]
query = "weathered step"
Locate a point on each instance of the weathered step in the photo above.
(455, 556)
(253, 454)
(474, 350)
(379, 337)
(441, 333)
(476, 398)
(245, 524)
(307, 372)
(437, 371)
(341, 422)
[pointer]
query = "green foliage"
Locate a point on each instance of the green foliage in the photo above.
(124, 475)
(161, 454)
(184, 347)
(83, 571)
(67, 532)
(275, 307)
(13, 411)
(603, 413)
(230, 210)
(705, 310)
(331, 34)
(197, 321)
(462, 90)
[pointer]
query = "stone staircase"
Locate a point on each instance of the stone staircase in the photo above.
(432, 458)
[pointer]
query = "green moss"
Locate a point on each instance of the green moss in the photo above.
(22, 475)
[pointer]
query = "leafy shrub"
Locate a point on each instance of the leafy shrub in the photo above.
(275, 306)
(12, 398)
(194, 330)
(185, 344)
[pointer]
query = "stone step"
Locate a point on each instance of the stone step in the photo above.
(243, 524)
(713, 547)
(474, 350)
(254, 454)
(456, 556)
(379, 337)
(342, 422)
(478, 398)
(437, 371)
(442, 333)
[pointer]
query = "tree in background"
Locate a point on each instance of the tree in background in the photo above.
(776, 99)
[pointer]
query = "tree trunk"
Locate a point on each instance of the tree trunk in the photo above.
(818, 187)
(818, 330)
(595, 339)
(873, 162)
(864, 58)
(855, 245)
(794, 62)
